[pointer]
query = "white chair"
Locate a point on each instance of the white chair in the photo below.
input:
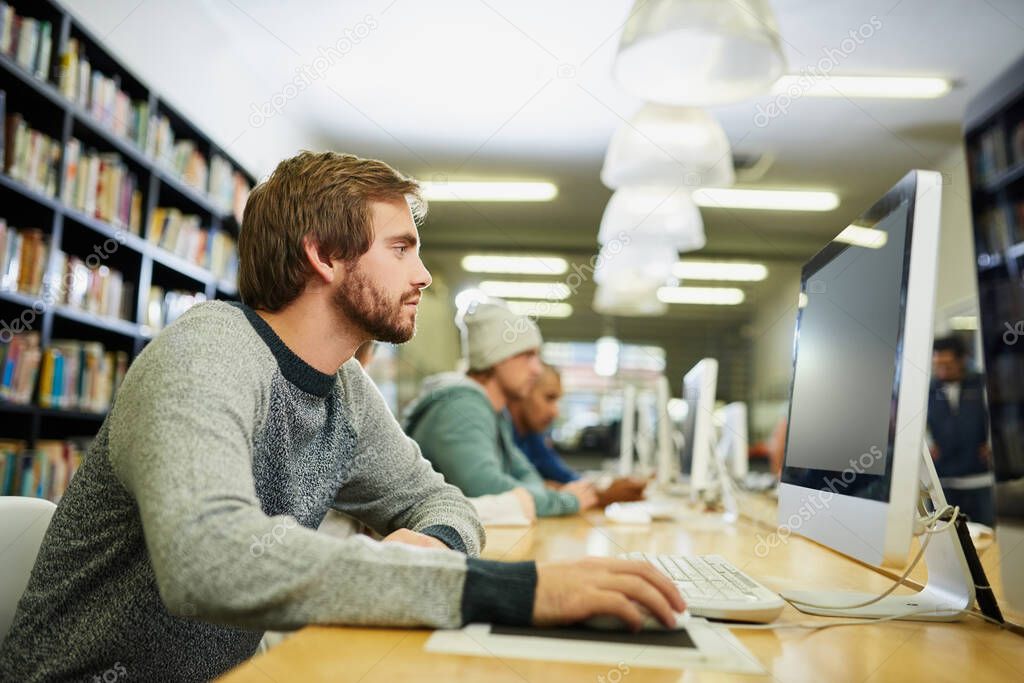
(23, 521)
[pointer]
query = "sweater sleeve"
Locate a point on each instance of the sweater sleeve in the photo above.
(393, 486)
(549, 502)
(548, 463)
(180, 443)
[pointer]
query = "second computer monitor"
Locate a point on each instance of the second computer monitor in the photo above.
(699, 386)
(732, 438)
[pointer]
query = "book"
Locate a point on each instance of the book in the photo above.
(30, 156)
(41, 472)
(19, 366)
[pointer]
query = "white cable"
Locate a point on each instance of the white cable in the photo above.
(899, 582)
(817, 625)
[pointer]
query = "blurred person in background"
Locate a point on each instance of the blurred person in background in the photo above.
(958, 427)
(532, 417)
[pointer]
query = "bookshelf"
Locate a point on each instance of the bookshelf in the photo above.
(77, 94)
(994, 137)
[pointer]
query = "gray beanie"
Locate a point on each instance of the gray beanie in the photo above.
(491, 333)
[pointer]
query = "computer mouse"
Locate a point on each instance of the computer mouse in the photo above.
(607, 622)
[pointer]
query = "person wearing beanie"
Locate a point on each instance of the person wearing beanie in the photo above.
(461, 423)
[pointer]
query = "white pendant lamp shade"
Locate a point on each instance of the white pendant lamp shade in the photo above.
(637, 299)
(699, 52)
(627, 264)
(669, 146)
(665, 217)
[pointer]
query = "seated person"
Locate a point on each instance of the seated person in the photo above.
(532, 416)
(189, 529)
(512, 507)
(461, 424)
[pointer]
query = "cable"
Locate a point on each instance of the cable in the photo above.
(928, 532)
(818, 625)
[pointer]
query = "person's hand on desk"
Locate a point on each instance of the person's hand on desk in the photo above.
(410, 537)
(623, 490)
(568, 592)
(584, 491)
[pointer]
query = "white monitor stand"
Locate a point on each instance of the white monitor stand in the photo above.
(948, 593)
(644, 439)
(666, 459)
(626, 431)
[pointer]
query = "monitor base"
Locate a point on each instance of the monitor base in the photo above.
(948, 593)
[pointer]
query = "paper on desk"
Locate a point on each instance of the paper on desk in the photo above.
(717, 649)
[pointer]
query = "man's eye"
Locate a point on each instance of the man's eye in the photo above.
(402, 249)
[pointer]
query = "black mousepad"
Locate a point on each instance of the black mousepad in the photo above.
(680, 638)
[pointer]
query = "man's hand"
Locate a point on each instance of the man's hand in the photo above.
(526, 503)
(568, 592)
(985, 454)
(584, 491)
(623, 490)
(409, 537)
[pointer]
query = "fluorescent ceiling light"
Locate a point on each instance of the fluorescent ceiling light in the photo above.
(549, 291)
(485, 191)
(540, 309)
(772, 200)
(859, 236)
(733, 271)
(711, 296)
(964, 322)
(899, 87)
(520, 265)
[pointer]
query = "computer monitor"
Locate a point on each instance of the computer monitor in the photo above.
(699, 386)
(854, 466)
(733, 446)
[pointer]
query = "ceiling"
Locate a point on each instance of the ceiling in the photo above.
(521, 89)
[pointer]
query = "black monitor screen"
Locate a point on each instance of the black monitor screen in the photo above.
(842, 412)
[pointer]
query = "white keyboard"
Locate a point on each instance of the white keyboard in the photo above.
(715, 589)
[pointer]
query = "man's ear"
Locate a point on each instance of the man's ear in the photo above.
(320, 261)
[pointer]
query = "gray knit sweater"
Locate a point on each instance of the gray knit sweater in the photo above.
(189, 528)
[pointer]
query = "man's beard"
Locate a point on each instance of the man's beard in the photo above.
(370, 308)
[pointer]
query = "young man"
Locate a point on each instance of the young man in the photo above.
(958, 425)
(461, 424)
(532, 416)
(189, 529)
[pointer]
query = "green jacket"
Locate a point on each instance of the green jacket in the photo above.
(469, 443)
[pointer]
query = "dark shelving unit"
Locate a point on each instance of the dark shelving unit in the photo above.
(994, 135)
(141, 262)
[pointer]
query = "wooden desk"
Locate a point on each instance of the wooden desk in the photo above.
(891, 651)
